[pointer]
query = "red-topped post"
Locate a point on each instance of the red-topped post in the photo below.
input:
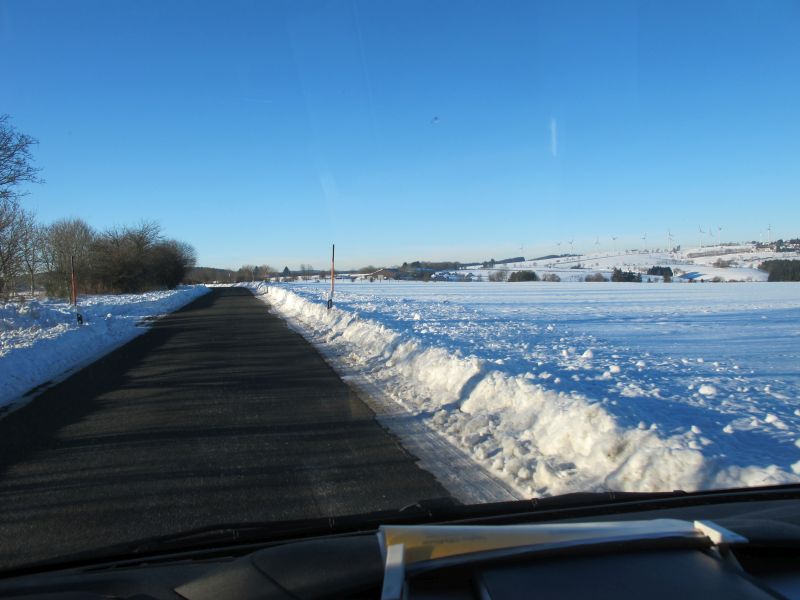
(333, 276)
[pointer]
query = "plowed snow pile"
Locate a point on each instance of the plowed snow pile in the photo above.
(557, 388)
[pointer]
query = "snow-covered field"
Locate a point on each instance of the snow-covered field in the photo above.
(740, 263)
(554, 388)
(40, 341)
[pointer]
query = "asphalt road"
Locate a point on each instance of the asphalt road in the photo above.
(218, 414)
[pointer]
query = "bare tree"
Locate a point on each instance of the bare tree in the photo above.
(134, 259)
(266, 271)
(11, 216)
(246, 273)
(15, 160)
(168, 262)
(144, 235)
(15, 169)
(64, 239)
(31, 247)
(305, 271)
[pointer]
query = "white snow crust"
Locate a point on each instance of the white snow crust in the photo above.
(41, 341)
(575, 387)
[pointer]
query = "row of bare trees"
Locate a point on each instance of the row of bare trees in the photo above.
(254, 272)
(121, 259)
(257, 272)
(18, 229)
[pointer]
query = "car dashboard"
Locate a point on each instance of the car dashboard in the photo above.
(759, 561)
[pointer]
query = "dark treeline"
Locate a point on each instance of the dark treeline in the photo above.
(523, 276)
(782, 270)
(257, 272)
(425, 265)
(420, 270)
(665, 272)
(119, 260)
(490, 264)
(209, 275)
(620, 275)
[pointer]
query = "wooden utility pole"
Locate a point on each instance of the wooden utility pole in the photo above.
(333, 276)
(74, 297)
(78, 315)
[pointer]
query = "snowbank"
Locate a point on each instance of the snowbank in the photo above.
(41, 341)
(519, 396)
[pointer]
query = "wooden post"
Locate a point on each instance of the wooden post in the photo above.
(74, 281)
(333, 276)
(78, 315)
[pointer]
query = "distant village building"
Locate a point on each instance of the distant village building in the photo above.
(453, 276)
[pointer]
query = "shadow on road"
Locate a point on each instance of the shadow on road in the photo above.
(218, 414)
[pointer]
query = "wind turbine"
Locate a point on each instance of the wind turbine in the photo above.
(769, 234)
(700, 228)
(669, 240)
(614, 239)
(571, 246)
(596, 245)
(644, 239)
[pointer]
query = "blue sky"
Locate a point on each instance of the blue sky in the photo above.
(402, 130)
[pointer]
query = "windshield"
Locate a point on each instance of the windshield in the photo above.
(276, 261)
